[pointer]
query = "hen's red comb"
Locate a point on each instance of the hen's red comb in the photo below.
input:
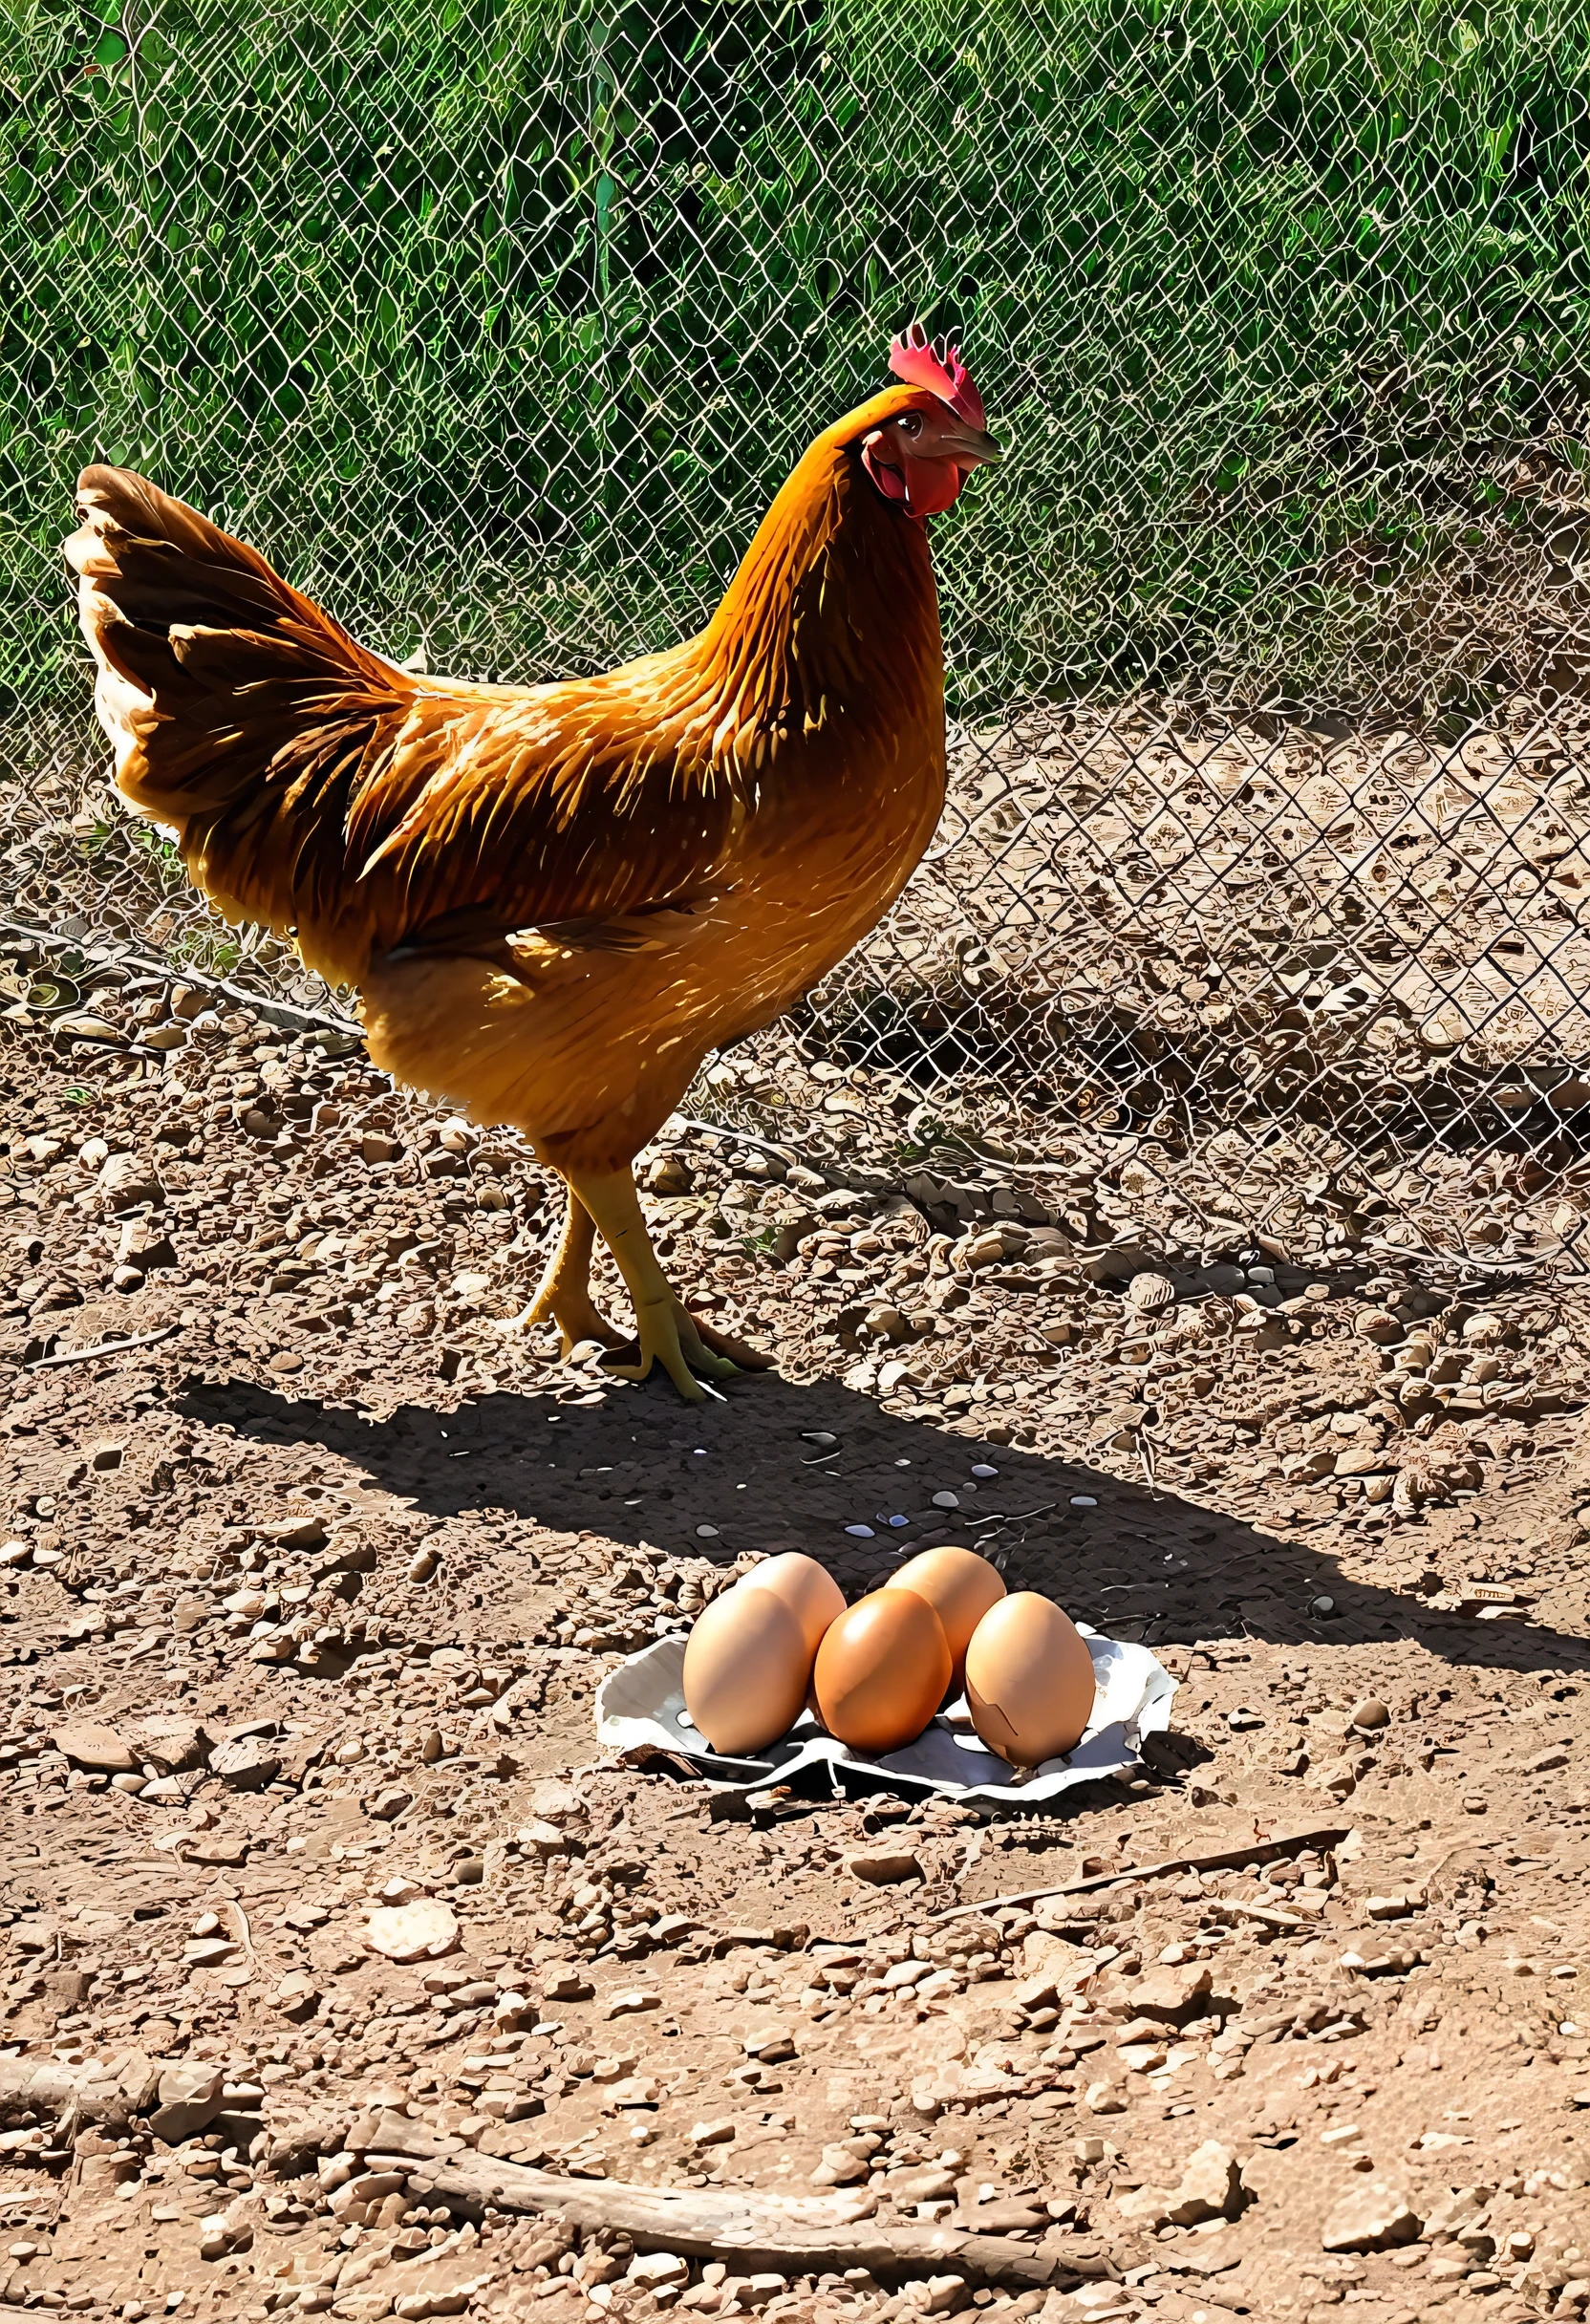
(912, 358)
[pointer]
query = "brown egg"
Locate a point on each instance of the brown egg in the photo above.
(959, 1585)
(747, 1664)
(1029, 1680)
(809, 1589)
(881, 1671)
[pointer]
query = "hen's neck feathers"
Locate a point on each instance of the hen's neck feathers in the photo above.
(831, 625)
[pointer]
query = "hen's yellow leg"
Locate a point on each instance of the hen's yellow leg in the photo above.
(564, 1297)
(665, 1331)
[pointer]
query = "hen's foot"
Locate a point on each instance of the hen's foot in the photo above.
(576, 1320)
(666, 1334)
(564, 1296)
(740, 1352)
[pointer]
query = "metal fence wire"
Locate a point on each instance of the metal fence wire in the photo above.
(496, 322)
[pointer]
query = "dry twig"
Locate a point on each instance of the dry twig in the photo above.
(1224, 1860)
(751, 2231)
(105, 1347)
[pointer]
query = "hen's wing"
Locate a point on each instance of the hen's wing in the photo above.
(579, 809)
(315, 786)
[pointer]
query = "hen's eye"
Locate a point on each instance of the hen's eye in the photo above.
(911, 424)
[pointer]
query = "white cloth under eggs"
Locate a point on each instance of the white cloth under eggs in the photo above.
(643, 1701)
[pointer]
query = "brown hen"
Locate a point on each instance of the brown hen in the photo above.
(556, 900)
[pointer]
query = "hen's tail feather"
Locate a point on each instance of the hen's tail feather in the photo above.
(241, 713)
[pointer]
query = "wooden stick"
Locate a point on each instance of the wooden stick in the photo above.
(1268, 1917)
(740, 1137)
(790, 2235)
(106, 1348)
(1225, 1860)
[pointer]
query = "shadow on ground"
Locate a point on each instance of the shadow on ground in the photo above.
(635, 1465)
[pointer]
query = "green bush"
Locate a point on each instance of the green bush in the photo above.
(496, 321)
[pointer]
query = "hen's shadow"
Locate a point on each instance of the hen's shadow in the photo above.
(637, 1466)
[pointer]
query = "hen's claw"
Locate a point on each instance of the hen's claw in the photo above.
(665, 1335)
(577, 1319)
(574, 1323)
(564, 1294)
(740, 1356)
(710, 1355)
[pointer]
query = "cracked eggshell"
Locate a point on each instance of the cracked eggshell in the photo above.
(1029, 1680)
(747, 1664)
(809, 1589)
(881, 1670)
(959, 1585)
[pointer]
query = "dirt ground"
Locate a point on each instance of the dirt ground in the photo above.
(306, 1597)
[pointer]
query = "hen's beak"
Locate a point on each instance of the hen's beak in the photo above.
(968, 447)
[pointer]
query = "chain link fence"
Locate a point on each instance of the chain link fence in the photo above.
(495, 323)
